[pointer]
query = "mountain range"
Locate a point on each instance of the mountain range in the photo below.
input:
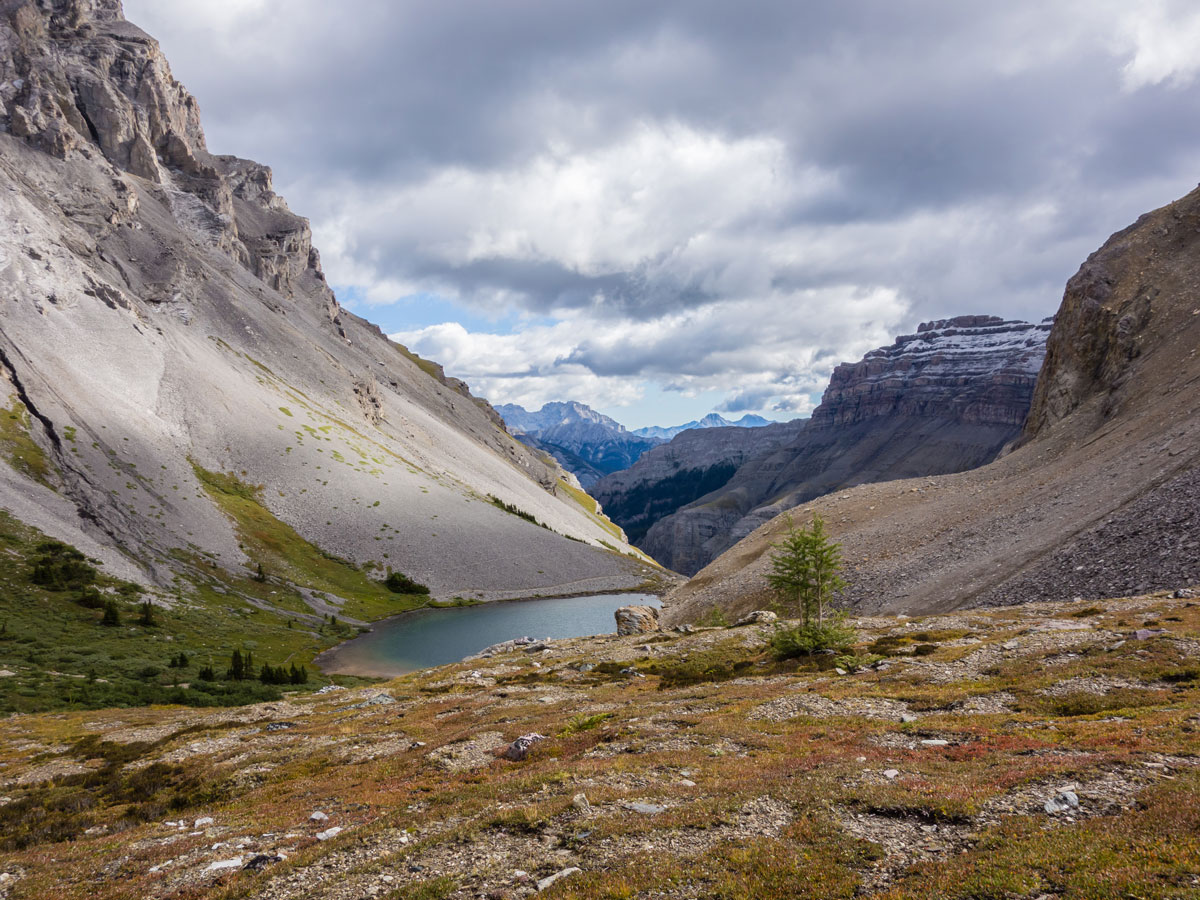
(591, 445)
(946, 398)
(712, 420)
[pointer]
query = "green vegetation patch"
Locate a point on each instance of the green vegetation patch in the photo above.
(74, 637)
(18, 447)
(283, 553)
(514, 510)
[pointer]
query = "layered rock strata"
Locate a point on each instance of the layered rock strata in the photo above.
(945, 399)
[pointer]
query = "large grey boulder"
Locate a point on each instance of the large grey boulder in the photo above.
(636, 619)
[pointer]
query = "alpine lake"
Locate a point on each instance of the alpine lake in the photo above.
(436, 636)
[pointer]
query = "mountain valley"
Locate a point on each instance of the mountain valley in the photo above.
(214, 478)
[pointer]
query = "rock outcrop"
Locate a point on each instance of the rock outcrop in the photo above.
(636, 620)
(694, 463)
(165, 315)
(1101, 497)
(945, 399)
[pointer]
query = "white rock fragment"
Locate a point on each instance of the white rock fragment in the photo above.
(551, 879)
(1061, 802)
(329, 833)
(889, 774)
(318, 816)
(223, 864)
(203, 822)
(935, 742)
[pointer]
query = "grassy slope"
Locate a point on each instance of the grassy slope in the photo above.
(60, 656)
(286, 555)
(770, 776)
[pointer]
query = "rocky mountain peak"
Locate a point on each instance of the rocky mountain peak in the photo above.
(77, 80)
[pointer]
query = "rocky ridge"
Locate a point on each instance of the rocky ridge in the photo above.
(166, 315)
(945, 399)
(1101, 495)
(694, 463)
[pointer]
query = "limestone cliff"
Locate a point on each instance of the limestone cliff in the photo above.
(164, 314)
(944, 399)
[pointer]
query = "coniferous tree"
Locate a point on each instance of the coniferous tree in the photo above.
(112, 615)
(805, 568)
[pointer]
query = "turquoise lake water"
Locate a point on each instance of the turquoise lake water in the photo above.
(433, 637)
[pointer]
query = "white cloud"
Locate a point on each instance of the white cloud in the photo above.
(1163, 37)
(779, 349)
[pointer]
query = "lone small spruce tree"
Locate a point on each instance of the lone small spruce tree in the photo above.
(804, 570)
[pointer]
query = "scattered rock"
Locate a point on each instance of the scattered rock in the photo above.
(551, 879)
(636, 620)
(329, 833)
(373, 700)
(318, 816)
(646, 809)
(1144, 634)
(224, 864)
(934, 742)
(203, 822)
(262, 860)
(889, 774)
(463, 755)
(1061, 802)
(580, 802)
(519, 749)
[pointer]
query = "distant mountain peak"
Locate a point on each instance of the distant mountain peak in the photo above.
(712, 420)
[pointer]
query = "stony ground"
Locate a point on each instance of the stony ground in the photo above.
(1034, 752)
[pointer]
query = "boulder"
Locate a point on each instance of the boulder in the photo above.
(636, 619)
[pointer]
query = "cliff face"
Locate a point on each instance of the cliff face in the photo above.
(976, 370)
(165, 313)
(1102, 496)
(945, 399)
(695, 463)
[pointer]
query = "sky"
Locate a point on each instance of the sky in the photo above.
(663, 209)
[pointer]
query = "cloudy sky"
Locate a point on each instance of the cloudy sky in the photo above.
(667, 208)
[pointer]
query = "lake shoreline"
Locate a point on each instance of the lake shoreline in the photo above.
(334, 661)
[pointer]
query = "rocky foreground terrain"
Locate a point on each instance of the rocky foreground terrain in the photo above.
(1047, 750)
(945, 399)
